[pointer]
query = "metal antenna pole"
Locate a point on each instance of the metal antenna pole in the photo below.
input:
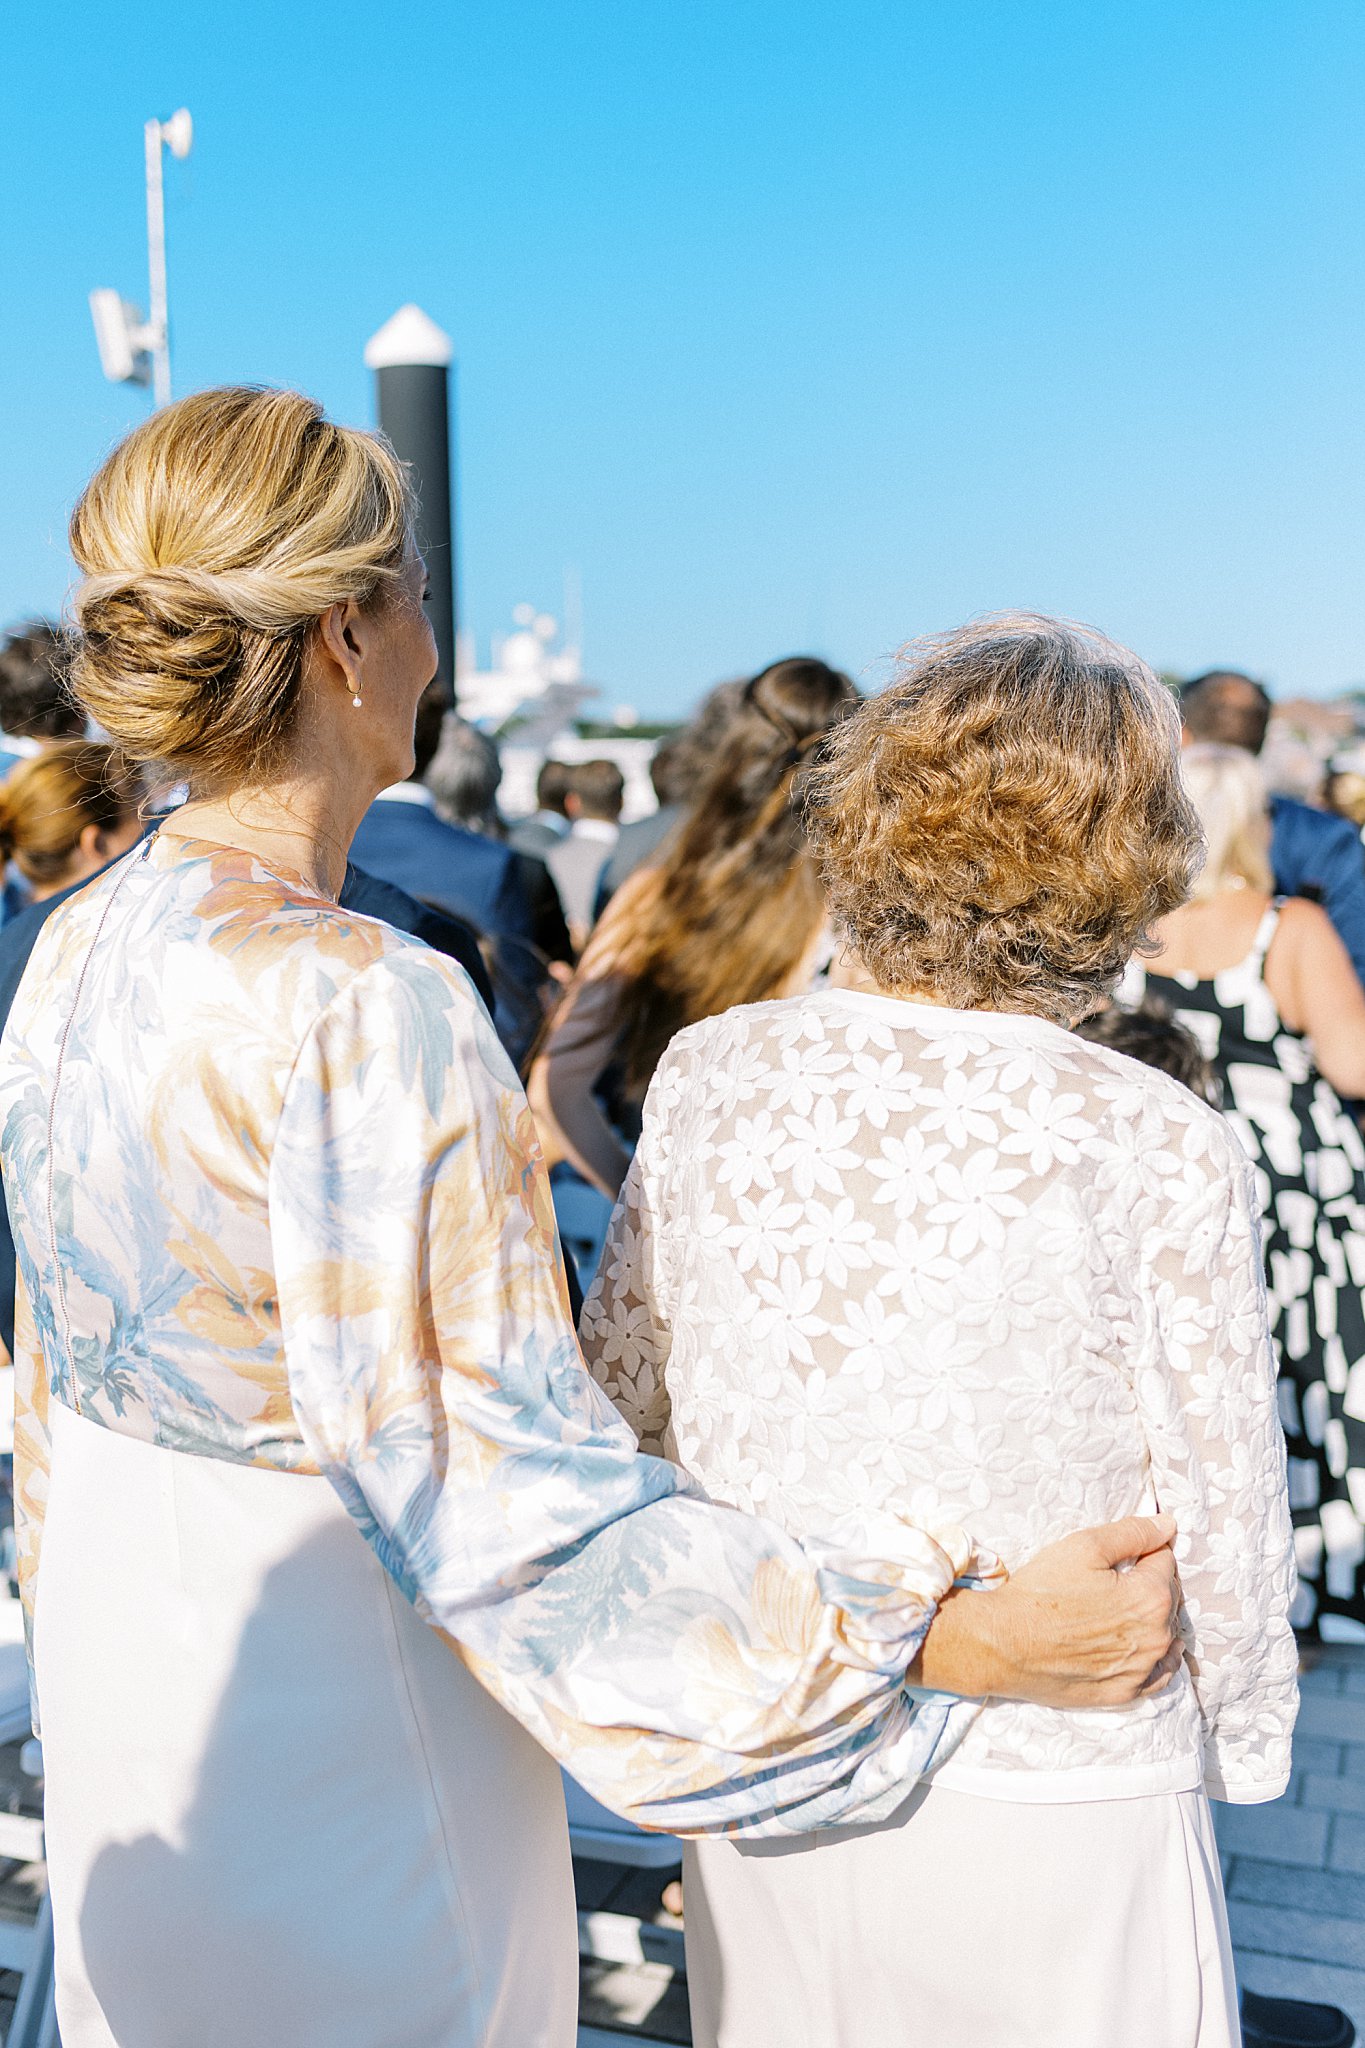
(156, 269)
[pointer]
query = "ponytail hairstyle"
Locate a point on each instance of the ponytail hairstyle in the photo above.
(738, 903)
(210, 543)
(48, 801)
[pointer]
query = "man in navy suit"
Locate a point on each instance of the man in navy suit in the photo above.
(1312, 852)
(403, 841)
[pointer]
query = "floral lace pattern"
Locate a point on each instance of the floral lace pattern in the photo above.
(874, 1255)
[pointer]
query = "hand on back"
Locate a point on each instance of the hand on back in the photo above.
(1091, 1621)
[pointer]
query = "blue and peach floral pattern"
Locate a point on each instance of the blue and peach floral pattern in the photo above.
(277, 1199)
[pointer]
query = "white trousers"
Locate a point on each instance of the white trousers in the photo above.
(967, 1923)
(280, 1812)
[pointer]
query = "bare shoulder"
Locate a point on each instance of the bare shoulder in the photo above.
(1304, 926)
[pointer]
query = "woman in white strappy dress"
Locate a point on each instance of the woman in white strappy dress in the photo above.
(1268, 989)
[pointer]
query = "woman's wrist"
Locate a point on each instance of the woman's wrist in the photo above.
(965, 1649)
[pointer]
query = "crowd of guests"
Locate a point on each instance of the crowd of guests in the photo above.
(935, 1090)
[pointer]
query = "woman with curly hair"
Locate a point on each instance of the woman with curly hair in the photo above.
(915, 1243)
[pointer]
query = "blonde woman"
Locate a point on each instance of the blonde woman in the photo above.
(65, 813)
(1268, 988)
(917, 1243)
(323, 1527)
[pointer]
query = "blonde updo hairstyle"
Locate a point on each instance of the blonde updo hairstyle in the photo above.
(1228, 791)
(210, 544)
(1000, 828)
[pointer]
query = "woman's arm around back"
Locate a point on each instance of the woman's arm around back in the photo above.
(1070, 1629)
(695, 1666)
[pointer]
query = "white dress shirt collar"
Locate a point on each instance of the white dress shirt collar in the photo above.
(407, 793)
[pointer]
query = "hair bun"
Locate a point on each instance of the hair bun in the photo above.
(211, 541)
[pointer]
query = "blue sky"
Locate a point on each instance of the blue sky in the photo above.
(788, 326)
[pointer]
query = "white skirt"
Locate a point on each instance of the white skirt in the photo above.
(280, 1812)
(967, 1923)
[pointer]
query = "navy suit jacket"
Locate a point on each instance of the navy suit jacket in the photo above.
(461, 872)
(1315, 854)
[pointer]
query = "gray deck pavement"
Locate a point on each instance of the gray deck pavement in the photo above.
(1295, 1870)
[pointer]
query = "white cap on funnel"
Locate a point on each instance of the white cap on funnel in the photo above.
(409, 337)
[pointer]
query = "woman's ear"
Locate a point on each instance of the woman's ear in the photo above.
(339, 636)
(93, 844)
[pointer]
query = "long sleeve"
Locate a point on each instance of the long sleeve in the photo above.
(625, 1322)
(696, 1667)
(511, 908)
(1218, 1464)
(32, 1462)
(585, 1038)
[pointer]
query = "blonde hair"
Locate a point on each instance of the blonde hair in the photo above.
(1228, 791)
(1000, 829)
(46, 803)
(1346, 793)
(210, 543)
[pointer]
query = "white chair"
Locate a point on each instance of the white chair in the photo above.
(600, 1836)
(25, 1946)
(34, 2024)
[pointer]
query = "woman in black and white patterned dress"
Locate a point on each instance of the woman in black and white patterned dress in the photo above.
(1269, 991)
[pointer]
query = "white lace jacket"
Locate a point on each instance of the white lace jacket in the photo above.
(876, 1254)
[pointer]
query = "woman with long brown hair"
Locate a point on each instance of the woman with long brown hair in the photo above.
(731, 913)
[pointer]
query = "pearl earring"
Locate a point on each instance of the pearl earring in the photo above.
(355, 701)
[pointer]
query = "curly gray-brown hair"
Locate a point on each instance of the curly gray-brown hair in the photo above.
(1001, 827)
